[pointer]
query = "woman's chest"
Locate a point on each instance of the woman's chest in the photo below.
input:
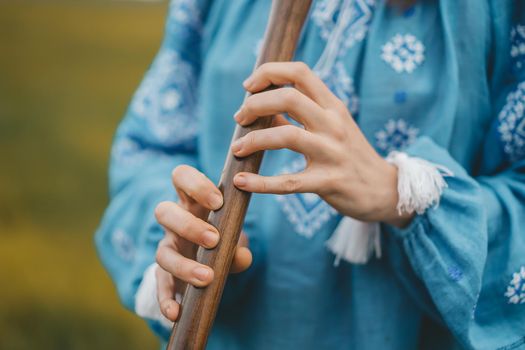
(401, 74)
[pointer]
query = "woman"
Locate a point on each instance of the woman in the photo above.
(402, 133)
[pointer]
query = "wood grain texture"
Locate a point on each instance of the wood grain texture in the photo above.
(199, 305)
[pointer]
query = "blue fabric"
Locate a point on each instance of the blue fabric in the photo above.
(443, 81)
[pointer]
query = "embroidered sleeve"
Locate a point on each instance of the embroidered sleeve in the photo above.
(463, 262)
(157, 133)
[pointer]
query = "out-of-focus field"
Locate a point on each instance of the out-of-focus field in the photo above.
(67, 71)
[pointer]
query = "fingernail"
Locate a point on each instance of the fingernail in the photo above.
(211, 239)
(237, 115)
(240, 180)
(167, 310)
(237, 146)
(247, 83)
(202, 273)
(215, 201)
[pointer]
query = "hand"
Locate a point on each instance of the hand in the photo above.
(185, 228)
(342, 167)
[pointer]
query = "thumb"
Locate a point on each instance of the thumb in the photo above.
(243, 256)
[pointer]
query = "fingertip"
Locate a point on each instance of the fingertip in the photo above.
(215, 200)
(240, 180)
(245, 255)
(161, 209)
(170, 309)
(202, 276)
(242, 119)
(236, 146)
(242, 260)
(173, 312)
(237, 115)
(248, 83)
(210, 239)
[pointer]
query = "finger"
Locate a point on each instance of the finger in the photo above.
(243, 257)
(197, 186)
(185, 269)
(281, 184)
(241, 260)
(286, 136)
(181, 222)
(296, 73)
(284, 100)
(165, 295)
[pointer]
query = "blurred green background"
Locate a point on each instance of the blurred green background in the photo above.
(67, 72)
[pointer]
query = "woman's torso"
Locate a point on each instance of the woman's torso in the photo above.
(403, 74)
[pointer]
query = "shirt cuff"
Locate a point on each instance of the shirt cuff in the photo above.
(146, 302)
(418, 224)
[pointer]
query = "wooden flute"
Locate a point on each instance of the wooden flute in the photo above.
(199, 305)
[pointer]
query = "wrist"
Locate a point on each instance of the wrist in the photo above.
(388, 212)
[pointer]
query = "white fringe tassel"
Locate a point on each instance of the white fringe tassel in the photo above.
(420, 185)
(355, 241)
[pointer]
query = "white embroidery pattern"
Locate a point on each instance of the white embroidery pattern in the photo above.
(512, 124)
(404, 53)
(123, 245)
(516, 288)
(166, 99)
(307, 212)
(348, 20)
(342, 86)
(517, 50)
(342, 23)
(396, 135)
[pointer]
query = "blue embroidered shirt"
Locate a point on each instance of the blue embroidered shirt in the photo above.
(443, 81)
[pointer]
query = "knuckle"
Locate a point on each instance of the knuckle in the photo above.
(160, 256)
(340, 108)
(338, 129)
(263, 185)
(291, 184)
(339, 134)
(250, 140)
(288, 130)
(301, 68)
(161, 210)
(294, 134)
(289, 96)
